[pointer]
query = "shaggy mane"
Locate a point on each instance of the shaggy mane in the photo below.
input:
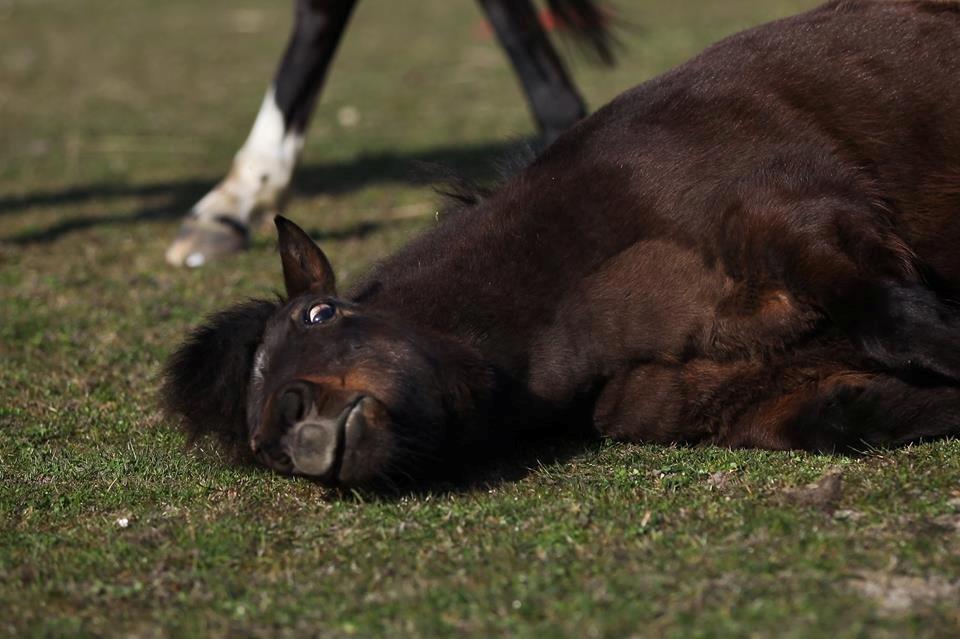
(205, 380)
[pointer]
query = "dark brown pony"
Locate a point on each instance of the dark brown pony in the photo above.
(756, 249)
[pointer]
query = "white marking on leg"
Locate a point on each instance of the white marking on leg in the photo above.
(195, 260)
(261, 170)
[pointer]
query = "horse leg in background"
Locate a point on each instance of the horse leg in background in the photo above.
(554, 101)
(261, 171)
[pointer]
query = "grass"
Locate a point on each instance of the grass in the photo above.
(114, 118)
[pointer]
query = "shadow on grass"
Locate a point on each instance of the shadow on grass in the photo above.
(458, 474)
(477, 162)
(525, 456)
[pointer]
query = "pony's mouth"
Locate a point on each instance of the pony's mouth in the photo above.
(317, 445)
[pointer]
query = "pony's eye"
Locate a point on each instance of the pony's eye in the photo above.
(320, 313)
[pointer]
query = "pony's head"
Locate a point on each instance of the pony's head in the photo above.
(318, 385)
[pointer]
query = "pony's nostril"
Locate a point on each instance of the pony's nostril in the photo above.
(293, 404)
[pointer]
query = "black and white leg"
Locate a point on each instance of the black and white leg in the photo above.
(260, 175)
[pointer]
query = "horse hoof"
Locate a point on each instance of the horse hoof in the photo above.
(201, 240)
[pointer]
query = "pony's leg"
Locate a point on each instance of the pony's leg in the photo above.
(851, 413)
(745, 405)
(555, 103)
(841, 255)
(873, 291)
(260, 175)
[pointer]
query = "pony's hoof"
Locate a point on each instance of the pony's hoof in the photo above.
(201, 240)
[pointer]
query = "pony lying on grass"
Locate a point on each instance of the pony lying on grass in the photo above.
(756, 249)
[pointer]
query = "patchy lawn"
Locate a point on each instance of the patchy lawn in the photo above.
(114, 118)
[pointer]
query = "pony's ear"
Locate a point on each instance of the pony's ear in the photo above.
(305, 267)
(205, 380)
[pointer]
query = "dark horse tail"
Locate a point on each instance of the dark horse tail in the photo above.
(589, 24)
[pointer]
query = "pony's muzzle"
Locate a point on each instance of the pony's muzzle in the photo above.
(336, 435)
(320, 429)
(313, 447)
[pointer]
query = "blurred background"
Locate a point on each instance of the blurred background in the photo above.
(116, 116)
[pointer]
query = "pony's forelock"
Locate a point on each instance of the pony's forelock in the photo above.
(205, 380)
